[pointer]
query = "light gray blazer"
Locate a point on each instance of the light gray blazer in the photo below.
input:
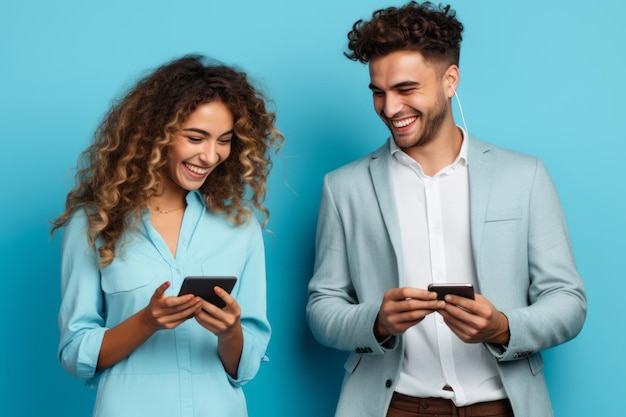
(523, 258)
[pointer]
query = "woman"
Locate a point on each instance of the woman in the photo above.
(168, 190)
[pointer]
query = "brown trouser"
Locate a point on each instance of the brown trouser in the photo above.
(405, 406)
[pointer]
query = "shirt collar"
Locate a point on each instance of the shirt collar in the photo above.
(460, 160)
(194, 195)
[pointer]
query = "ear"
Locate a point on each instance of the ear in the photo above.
(450, 80)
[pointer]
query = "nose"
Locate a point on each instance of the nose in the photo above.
(209, 154)
(391, 105)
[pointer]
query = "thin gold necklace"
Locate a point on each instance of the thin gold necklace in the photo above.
(167, 211)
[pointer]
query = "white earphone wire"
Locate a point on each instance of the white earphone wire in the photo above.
(460, 109)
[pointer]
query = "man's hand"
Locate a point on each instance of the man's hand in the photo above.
(475, 321)
(403, 308)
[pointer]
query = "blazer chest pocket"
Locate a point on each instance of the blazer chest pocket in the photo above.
(503, 215)
(503, 243)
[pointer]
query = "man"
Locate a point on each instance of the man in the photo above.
(436, 205)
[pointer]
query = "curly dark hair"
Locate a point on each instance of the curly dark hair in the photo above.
(122, 169)
(431, 30)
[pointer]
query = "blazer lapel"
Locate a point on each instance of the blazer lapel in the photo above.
(480, 179)
(380, 171)
(479, 167)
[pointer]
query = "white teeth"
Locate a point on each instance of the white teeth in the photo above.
(196, 170)
(403, 122)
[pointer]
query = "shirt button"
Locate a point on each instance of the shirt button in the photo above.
(388, 383)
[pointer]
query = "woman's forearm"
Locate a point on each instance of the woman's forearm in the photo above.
(122, 340)
(229, 348)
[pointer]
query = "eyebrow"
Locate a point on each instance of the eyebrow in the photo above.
(403, 84)
(205, 133)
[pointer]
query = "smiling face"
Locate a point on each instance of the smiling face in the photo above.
(412, 96)
(201, 144)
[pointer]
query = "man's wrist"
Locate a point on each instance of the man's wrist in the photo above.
(380, 333)
(504, 334)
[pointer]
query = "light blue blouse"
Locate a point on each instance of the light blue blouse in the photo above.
(176, 372)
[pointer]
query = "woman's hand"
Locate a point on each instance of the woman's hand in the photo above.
(165, 312)
(225, 323)
(220, 321)
(161, 313)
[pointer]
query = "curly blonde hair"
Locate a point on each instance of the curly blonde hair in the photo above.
(123, 167)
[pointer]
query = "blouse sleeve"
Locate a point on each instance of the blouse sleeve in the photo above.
(81, 315)
(252, 300)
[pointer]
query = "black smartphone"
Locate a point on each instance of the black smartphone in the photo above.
(202, 286)
(464, 290)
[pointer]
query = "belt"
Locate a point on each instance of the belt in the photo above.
(441, 406)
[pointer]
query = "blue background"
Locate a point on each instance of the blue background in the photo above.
(543, 77)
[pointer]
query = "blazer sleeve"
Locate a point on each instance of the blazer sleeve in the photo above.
(556, 302)
(336, 316)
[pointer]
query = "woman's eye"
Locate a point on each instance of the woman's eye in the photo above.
(225, 140)
(194, 139)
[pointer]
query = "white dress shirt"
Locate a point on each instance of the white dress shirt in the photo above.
(434, 214)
